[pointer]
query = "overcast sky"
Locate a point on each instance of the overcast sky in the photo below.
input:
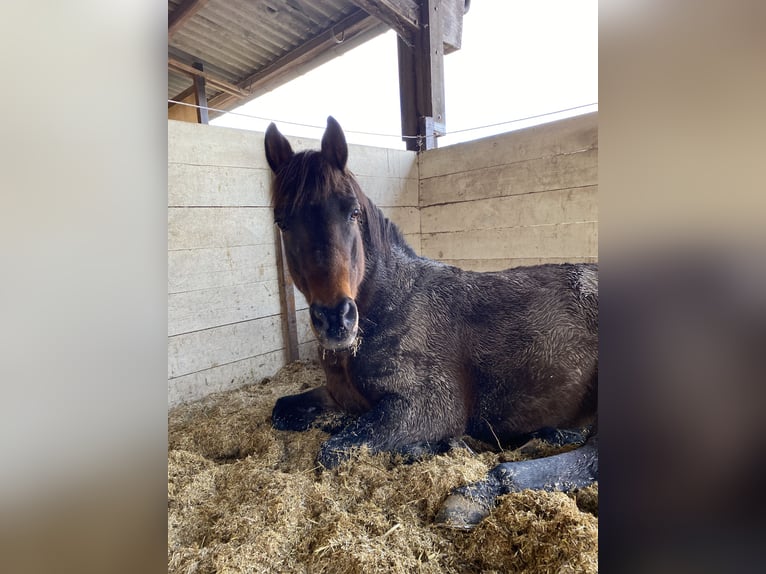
(519, 58)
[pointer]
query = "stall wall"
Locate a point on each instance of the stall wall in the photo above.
(224, 315)
(520, 198)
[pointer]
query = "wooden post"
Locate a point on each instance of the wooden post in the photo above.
(421, 80)
(200, 97)
(287, 297)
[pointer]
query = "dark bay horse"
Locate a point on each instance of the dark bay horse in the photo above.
(417, 352)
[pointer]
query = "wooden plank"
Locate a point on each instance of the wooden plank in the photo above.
(183, 97)
(200, 97)
(183, 12)
(213, 267)
(413, 241)
(207, 308)
(500, 264)
(221, 378)
(287, 301)
(452, 24)
(215, 82)
(554, 138)
(407, 219)
(402, 16)
(192, 185)
(212, 145)
(408, 93)
(309, 351)
(300, 300)
(200, 227)
(200, 350)
(430, 52)
(565, 171)
(564, 240)
(389, 191)
(558, 206)
(303, 323)
(181, 113)
(307, 343)
(379, 162)
(421, 80)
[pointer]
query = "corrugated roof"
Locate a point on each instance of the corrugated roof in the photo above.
(253, 46)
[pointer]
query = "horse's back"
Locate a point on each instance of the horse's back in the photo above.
(528, 342)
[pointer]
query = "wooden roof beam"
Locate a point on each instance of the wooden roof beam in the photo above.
(400, 15)
(181, 96)
(221, 85)
(178, 17)
(403, 16)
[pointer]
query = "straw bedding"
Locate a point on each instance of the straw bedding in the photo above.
(243, 497)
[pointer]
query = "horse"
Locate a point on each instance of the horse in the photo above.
(418, 353)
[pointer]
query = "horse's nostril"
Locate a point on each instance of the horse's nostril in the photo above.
(348, 314)
(318, 317)
(337, 322)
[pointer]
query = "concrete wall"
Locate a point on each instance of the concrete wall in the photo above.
(224, 316)
(520, 198)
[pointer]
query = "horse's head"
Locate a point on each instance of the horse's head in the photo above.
(317, 206)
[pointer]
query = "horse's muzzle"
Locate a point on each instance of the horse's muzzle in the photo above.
(335, 327)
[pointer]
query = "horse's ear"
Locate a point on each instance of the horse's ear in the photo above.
(334, 147)
(278, 150)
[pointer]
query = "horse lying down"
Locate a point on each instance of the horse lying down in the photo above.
(416, 352)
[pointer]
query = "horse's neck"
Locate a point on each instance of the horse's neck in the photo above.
(386, 279)
(386, 253)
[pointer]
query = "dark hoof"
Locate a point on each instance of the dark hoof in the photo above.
(461, 512)
(542, 440)
(289, 416)
(333, 423)
(331, 454)
(417, 452)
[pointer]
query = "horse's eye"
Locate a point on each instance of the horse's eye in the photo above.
(355, 213)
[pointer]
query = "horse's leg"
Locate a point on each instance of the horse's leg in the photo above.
(393, 424)
(552, 437)
(301, 411)
(420, 450)
(468, 505)
(560, 437)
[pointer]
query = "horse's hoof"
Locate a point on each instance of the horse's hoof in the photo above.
(331, 454)
(461, 512)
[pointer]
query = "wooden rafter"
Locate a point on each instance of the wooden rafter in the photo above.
(200, 97)
(180, 97)
(221, 85)
(178, 17)
(401, 15)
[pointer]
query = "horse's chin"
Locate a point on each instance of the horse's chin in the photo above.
(347, 344)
